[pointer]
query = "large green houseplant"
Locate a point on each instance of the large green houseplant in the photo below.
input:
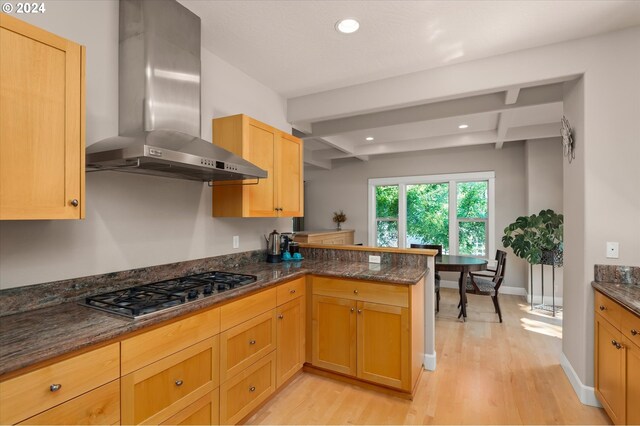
(536, 238)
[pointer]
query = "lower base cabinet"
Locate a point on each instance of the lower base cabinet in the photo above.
(290, 324)
(99, 407)
(244, 392)
(160, 390)
(617, 360)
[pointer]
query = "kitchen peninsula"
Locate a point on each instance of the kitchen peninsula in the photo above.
(41, 345)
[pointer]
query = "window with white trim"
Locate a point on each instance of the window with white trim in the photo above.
(453, 210)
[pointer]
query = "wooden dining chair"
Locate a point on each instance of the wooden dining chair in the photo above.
(480, 283)
(437, 275)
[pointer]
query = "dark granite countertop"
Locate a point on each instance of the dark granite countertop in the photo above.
(34, 336)
(628, 295)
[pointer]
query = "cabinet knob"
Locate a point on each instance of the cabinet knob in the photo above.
(74, 202)
(179, 382)
(252, 389)
(280, 316)
(616, 344)
(359, 311)
(252, 342)
(55, 387)
(602, 308)
(355, 291)
(353, 310)
(292, 291)
(634, 332)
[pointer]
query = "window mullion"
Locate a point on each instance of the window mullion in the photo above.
(453, 218)
(402, 215)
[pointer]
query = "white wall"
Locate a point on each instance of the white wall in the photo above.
(345, 187)
(133, 221)
(544, 191)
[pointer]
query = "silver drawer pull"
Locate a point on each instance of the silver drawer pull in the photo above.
(252, 389)
(359, 311)
(280, 316)
(602, 308)
(55, 387)
(353, 310)
(355, 291)
(252, 342)
(634, 332)
(616, 344)
(74, 202)
(292, 291)
(179, 382)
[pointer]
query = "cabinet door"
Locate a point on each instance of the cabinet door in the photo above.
(633, 383)
(609, 363)
(290, 332)
(41, 124)
(334, 334)
(289, 176)
(260, 149)
(205, 411)
(383, 344)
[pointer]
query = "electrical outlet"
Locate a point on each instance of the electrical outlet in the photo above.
(374, 259)
(612, 250)
(236, 241)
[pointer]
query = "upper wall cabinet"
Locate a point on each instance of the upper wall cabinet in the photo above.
(41, 124)
(280, 154)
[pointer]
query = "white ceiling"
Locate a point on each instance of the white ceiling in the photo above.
(293, 48)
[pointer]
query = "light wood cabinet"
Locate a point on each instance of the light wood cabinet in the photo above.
(32, 393)
(280, 154)
(617, 360)
(290, 334)
(160, 390)
(205, 411)
(342, 237)
(42, 129)
(368, 330)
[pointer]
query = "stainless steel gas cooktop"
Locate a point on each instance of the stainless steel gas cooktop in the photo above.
(142, 300)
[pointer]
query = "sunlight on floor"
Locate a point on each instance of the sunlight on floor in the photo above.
(542, 322)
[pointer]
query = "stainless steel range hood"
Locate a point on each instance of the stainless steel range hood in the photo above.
(159, 101)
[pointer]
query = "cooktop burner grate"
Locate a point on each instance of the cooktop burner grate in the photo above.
(149, 298)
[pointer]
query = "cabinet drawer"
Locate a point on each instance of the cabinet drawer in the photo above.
(290, 290)
(247, 390)
(244, 344)
(154, 393)
(153, 345)
(366, 291)
(97, 407)
(205, 411)
(630, 325)
(244, 309)
(609, 309)
(32, 393)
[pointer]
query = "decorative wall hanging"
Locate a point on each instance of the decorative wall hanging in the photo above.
(567, 140)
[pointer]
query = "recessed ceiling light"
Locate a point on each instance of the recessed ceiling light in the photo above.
(347, 26)
(369, 138)
(463, 126)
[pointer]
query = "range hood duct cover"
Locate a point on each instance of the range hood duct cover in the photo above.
(159, 100)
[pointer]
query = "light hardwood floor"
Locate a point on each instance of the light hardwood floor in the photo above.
(487, 373)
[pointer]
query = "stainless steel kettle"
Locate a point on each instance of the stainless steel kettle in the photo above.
(273, 247)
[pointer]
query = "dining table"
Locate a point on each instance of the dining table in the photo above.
(463, 265)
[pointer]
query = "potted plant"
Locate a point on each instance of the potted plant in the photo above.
(536, 238)
(339, 218)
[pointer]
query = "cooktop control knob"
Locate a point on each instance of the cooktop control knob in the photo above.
(208, 289)
(192, 294)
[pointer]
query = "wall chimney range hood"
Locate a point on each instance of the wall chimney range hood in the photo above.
(159, 101)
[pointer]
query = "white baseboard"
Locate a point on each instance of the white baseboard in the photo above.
(518, 291)
(586, 394)
(430, 362)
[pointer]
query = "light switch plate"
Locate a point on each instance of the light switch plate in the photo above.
(374, 259)
(236, 241)
(612, 250)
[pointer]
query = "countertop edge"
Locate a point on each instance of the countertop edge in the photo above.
(604, 288)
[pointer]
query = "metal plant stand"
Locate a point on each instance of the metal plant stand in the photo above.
(553, 259)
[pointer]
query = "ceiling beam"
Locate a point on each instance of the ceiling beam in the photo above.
(511, 96)
(310, 158)
(459, 107)
(537, 131)
(503, 126)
